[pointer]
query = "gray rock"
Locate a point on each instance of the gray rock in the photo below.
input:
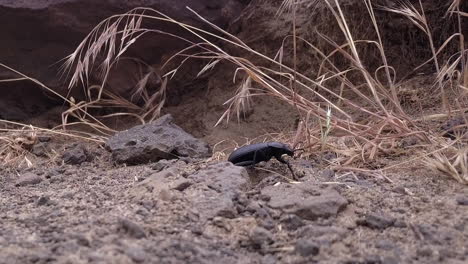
(75, 155)
(328, 174)
(43, 200)
(40, 149)
(390, 260)
(291, 221)
(307, 247)
(377, 221)
(434, 234)
(158, 140)
(324, 235)
(81, 240)
(44, 139)
(28, 178)
(181, 185)
(462, 200)
(424, 252)
(260, 236)
(269, 259)
(136, 253)
(215, 188)
(131, 228)
(324, 206)
(161, 165)
(308, 203)
(223, 177)
(385, 244)
(154, 185)
(210, 191)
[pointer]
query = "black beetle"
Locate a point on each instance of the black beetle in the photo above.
(252, 154)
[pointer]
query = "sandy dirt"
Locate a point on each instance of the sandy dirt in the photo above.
(209, 211)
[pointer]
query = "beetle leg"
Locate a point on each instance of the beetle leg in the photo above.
(245, 163)
(254, 161)
(280, 159)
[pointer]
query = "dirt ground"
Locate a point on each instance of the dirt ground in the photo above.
(209, 211)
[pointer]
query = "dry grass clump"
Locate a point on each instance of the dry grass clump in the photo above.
(18, 140)
(455, 164)
(348, 96)
(15, 147)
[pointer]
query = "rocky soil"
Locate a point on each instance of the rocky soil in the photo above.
(89, 207)
(157, 194)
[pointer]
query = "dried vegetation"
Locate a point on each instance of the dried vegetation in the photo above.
(341, 82)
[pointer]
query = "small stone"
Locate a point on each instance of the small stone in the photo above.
(75, 155)
(44, 138)
(424, 252)
(446, 253)
(82, 240)
(307, 247)
(372, 259)
(43, 200)
(390, 260)
(329, 156)
(385, 244)
(291, 222)
(142, 211)
(181, 185)
(160, 165)
(136, 253)
(399, 223)
(132, 229)
(165, 195)
(460, 226)
(400, 190)
(260, 236)
(462, 200)
(222, 223)
(39, 149)
(324, 206)
(328, 174)
(376, 221)
(269, 259)
(28, 178)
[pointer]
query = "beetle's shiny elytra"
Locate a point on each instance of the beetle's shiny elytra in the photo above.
(252, 154)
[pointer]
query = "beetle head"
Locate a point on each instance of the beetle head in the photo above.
(282, 148)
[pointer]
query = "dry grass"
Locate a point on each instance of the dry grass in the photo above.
(355, 109)
(17, 140)
(455, 165)
(382, 120)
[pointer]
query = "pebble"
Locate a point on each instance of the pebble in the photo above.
(43, 200)
(132, 229)
(291, 222)
(307, 247)
(260, 236)
(462, 200)
(376, 221)
(75, 155)
(28, 178)
(181, 185)
(136, 253)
